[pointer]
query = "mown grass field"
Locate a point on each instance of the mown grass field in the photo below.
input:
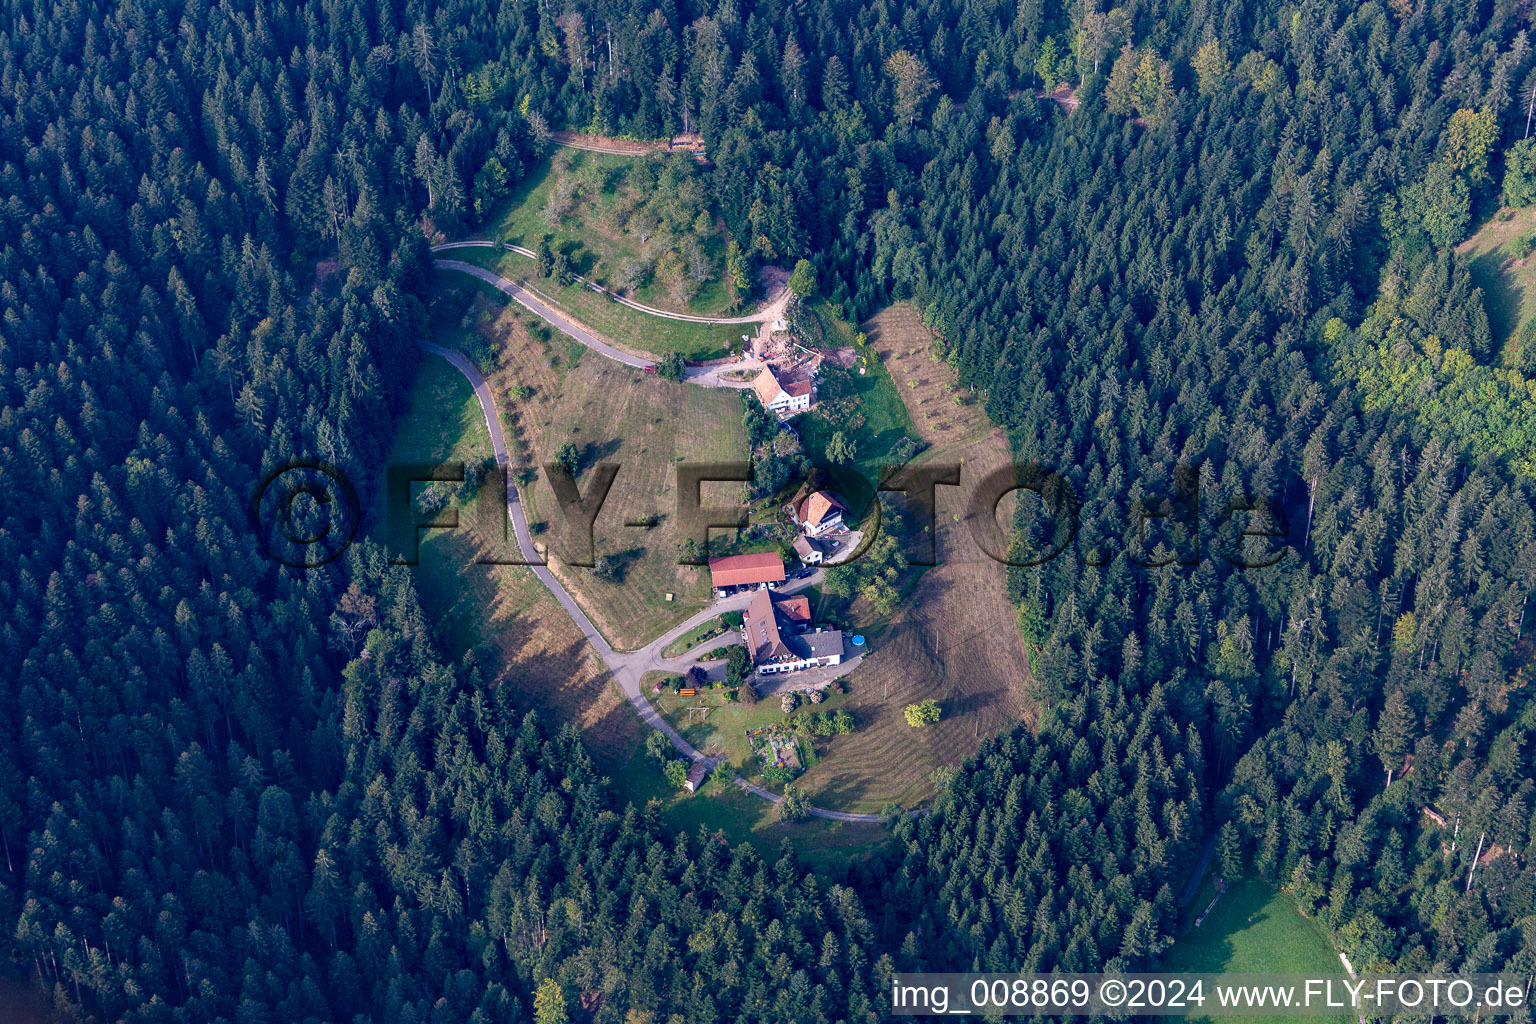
(594, 231)
(886, 417)
(944, 644)
(628, 328)
(953, 637)
(550, 391)
(1253, 929)
(713, 629)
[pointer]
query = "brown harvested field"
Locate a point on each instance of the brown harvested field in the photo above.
(611, 413)
(927, 385)
(954, 638)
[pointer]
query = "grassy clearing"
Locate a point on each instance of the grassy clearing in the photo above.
(886, 419)
(1508, 284)
(721, 732)
(523, 639)
(953, 639)
(549, 395)
(444, 420)
(1252, 930)
(443, 424)
(645, 425)
(629, 328)
(827, 846)
(709, 630)
(653, 211)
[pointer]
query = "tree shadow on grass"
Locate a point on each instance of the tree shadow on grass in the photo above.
(594, 452)
(619, 564)
(1502, 297)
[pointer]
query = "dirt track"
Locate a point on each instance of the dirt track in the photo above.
(630, 147)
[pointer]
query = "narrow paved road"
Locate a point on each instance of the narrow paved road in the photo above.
(628, 667)
(710, 375)
(533, 304)
(770, 312)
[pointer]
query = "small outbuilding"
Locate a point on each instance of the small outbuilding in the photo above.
(696, 776)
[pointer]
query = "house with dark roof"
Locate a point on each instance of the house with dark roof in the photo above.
(779, 637)
(808, 550)
(697, 773)
(746, 570)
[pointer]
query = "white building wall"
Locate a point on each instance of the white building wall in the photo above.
(780, 667)
(830, 522)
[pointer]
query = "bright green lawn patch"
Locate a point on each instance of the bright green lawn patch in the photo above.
(723, 731)
(886, 421)
(444, 423)
(444, 420)
(629, 328)
(1253, 930)
(708, 630)
(839, 332)
(825, 846)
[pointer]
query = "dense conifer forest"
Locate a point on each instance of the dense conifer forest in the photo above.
(231, 790)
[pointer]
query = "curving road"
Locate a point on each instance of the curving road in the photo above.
(539, 308)
(708, 375)
(628, 667)
(767, 314)
(622, 147)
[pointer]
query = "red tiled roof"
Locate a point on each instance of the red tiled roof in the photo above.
(742, 570)
(766, 385)
(796, 609)
(818, 506)
(798, 388)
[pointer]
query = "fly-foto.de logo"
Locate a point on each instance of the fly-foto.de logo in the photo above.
(306, 512)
